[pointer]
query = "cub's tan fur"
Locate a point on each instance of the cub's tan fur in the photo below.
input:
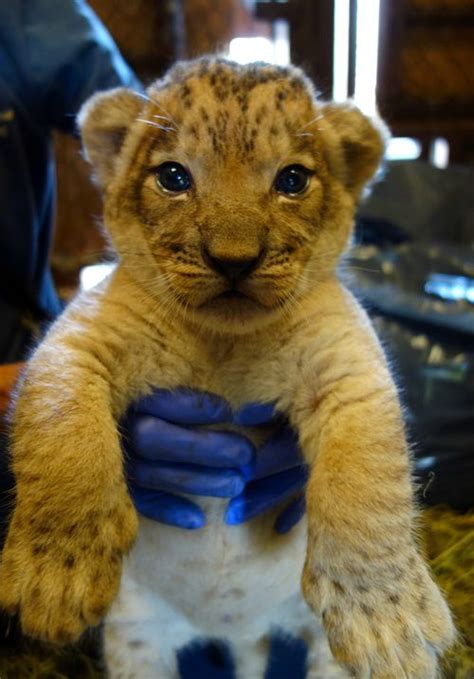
(297, 338)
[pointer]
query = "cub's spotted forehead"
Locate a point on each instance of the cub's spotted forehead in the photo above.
(228, 107)
(228, 80)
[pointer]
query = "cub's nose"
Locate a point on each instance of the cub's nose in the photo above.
(233, 268)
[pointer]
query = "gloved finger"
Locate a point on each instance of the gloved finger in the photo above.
(265, 494)
(280, 452)
(165, 508)
(186, 478)
(184, 406)
(290, 516)
(155, 439)
(252, 414)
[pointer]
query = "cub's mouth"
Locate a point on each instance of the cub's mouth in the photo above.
(232, 295)
(232, 302)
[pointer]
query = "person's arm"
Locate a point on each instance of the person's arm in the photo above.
(65, 54)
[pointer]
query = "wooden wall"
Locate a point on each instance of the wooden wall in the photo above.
(426, 75)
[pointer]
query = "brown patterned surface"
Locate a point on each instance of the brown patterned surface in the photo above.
(144, 30)
(425, 86)
(437, 65)
(210, 24)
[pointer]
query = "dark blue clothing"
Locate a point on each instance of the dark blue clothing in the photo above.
(54, 54)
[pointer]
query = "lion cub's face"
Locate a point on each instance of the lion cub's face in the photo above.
(229, 189)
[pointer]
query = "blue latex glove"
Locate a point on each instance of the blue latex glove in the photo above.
(168, 454)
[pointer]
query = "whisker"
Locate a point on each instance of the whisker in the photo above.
(165, 118)
(311, 122)
(160, 127)
(174, 272)
(165, 305)
(170, 118)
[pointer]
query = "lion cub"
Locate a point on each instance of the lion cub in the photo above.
(229, 196)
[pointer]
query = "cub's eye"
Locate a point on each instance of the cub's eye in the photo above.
(292, 179)
(173, 177)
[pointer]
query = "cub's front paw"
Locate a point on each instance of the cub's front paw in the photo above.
(383, 628)
(61, 574)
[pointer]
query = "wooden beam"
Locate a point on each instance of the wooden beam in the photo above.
(352, 47)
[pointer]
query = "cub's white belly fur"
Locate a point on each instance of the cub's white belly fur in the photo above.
(217, 576)
(235, 583)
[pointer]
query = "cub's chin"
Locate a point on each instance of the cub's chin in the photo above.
(234, 312)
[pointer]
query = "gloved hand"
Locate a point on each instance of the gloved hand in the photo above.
(168, 454)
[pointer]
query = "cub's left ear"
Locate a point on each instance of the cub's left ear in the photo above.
(357, 144)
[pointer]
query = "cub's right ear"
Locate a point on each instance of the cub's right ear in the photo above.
(103, 122)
